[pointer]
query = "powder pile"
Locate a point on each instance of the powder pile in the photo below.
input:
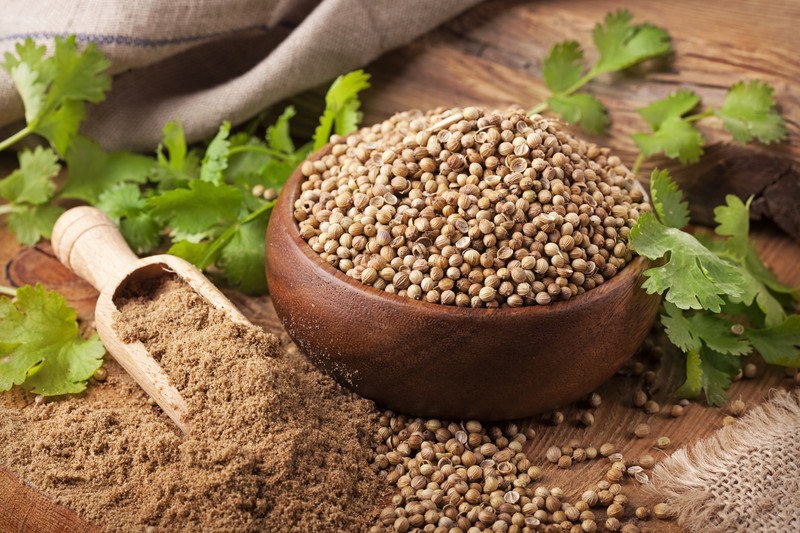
(275, 445)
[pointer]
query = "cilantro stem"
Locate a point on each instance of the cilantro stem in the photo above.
(637, 164)
(8, 291)
(260, 150)
(7, 208)
(698, 116)
(538, 109)
(21, 134)
(258, 212)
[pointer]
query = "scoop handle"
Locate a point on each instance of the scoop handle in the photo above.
(87, 242)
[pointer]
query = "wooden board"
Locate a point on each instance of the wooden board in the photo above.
(491, 55)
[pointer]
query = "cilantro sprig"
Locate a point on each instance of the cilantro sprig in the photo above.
(720, 302)
(41, 347)
(197, 203)
(620, 45)
(748, 113)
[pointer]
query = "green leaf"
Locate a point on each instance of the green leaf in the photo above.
(779, 344)
(121, 201)
(125, 205)
(716, 333)
(243, 257)
(563, 66)
(78, 75)
(199, 208)
(693, 385)
(61, 125)
(692, 277)
(581, 108)
(142, 231)
(622, 45)
(31, 74)
(31, 223)
(342, 106)
(93, 171)
(733, 221)
(690, 332)
(32, 182)
(675, 105)
(749, 113)
(216, 159)
(42, 349)
(679, 329)
(667, 200)
(709, 371)
(30, 88)
(676, 138)
(278, 134)
(174, 140)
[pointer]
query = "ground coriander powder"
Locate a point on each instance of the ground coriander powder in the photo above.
(275, 445)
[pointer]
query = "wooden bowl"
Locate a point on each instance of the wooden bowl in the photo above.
(440, 361)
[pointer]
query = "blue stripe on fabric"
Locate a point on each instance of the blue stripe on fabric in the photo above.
(128, 40)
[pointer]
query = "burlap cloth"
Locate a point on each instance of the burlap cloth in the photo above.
(205, 61)
(744, 478)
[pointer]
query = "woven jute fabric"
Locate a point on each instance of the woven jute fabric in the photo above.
(744, 478)
(205, 61)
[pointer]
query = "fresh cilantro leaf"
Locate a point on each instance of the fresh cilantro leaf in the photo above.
(749, 113)
(716, 333)
(174, 140)
(667, 200)
(563, 66)
(622, 45)
(679, 329)
(765, 275)
(733, 221)
(78, 75)
(199, 208)
(676, 138)
(779, 344)
(342, 106)
(32, 182)
(581, 108)
(690, 332)
(278, 134)
(216, 159)
(29, 223)
(693, 384)
(54, 89)
(61, 125)
(125, 205)
(30, 87)
(42, 349)
(243, 257)
(692, 277)
(709, 371)
(93, 170)
(142, 231)
(675, 105)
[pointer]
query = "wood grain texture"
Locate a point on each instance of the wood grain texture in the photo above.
(491, 55)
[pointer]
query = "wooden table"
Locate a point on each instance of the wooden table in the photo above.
(491, 55)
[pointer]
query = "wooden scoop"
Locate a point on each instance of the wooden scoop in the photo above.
(87, 242)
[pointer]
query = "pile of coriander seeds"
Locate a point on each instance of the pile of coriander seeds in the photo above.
(470, 208)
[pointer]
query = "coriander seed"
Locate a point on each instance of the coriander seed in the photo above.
(662, 442)
(662, 511)
(641, 430)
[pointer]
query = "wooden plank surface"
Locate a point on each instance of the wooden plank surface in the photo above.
(492, 56)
